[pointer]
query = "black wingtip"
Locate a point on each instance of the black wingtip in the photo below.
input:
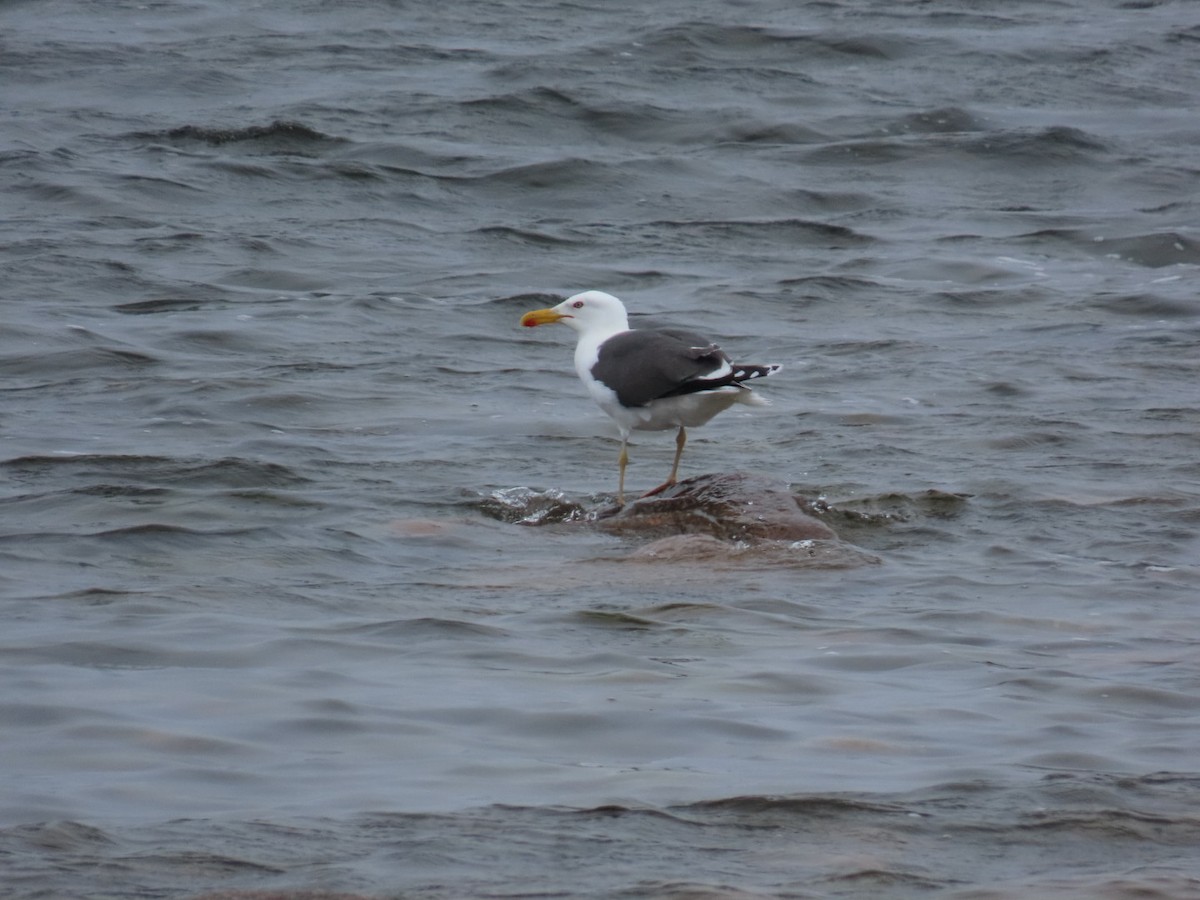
(745, 373)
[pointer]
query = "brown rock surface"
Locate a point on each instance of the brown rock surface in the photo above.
(728, 506)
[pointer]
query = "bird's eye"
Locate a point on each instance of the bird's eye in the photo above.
(578, 304)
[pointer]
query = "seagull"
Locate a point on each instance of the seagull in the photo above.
(651, 379)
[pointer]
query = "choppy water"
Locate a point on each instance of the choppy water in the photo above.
(268, 428)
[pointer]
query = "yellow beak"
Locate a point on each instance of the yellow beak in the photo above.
(541, 317)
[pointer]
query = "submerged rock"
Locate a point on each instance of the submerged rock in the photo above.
(701, 548)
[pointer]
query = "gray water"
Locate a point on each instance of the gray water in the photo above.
(286, 603)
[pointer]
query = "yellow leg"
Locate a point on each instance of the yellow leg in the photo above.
(622, 461)
(680, 441)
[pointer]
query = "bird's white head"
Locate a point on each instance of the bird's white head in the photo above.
(592, 312)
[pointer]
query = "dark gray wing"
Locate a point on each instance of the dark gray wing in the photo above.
(647, 364)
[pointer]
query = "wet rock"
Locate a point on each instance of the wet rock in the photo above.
(727, 506)
(721, 519)
(525, 506)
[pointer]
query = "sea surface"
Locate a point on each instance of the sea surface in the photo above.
(297, 585)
